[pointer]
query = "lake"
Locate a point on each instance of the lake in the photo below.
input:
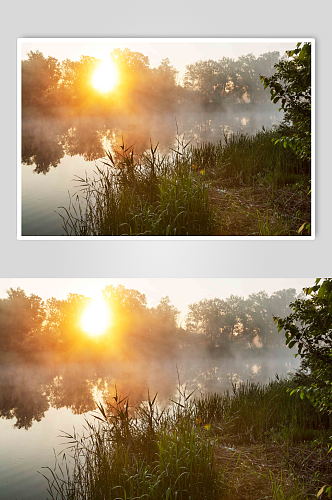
(38, 402)
(55, 150)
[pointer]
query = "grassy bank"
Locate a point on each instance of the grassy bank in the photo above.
(140, 453)
(240, 186)
(258, 442)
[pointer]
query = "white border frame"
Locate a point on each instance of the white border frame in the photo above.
(20, 41)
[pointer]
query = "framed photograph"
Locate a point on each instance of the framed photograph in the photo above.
(166, 138)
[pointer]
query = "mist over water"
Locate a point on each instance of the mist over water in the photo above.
(55, 150)
(68, 124)
(47, 141)
(40, 402)
(29, 390)
(53, 374)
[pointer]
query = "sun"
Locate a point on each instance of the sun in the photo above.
(95, 318)
(105, 77)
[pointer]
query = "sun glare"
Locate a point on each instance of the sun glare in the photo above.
(95, 318)
(105, 77)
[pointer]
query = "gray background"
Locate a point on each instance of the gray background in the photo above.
(176, 259)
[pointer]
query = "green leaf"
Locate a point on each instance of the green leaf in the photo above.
(321, 291)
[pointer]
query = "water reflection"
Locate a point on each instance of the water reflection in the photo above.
(28, 391)
(45, 141)
(41, 145)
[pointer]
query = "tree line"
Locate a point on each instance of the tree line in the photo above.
(54, 88)
(30, 325)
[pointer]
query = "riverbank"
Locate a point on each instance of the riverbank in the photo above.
(244, 186)
(258, 442)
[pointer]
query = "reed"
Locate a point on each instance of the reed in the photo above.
(256, 439)
(138, 453)
(240, 159)
(254, 412)
(174, 194)
(142, 195)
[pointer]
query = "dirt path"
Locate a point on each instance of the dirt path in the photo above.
(258, 472)
(259, 211)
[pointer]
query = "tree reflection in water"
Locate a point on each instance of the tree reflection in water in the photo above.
(28, 391)
(46, 140)
(63, 113)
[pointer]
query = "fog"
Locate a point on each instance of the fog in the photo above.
(48, 361)
(28, 391)
(62, 114)
(69, 124)
(46, 141)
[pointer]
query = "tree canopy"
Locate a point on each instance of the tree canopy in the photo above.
(290, 86)
(29, 324)
(309, 327)
(52, 88)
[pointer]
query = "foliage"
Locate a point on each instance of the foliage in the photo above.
(309, 328)
(253, 411)
(239, 322)
(170, 195)
(291, 84)
(40, 78)
(29, 325)
(138, 453)
(64, 114)
(218, 83)
(179, 450)
(22, 317)
(65, 89)
(144, 195)
(55, 88)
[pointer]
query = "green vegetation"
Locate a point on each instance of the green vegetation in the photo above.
(145, 195)
(140, 453)
(252, 444)
(195, 191)
(226, 185)
(257, 442)
(255, 412)
(51, 88)
(309, 327)
(291, 84)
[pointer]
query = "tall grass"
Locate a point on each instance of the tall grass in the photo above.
(241, 159)
(148, 194)
(139, 453)
(172, 453)
(168, 195)
(254, 411)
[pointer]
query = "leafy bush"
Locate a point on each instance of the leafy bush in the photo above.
(291, 85)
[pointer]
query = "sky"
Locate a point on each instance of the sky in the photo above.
(182, 52)
(181, 291)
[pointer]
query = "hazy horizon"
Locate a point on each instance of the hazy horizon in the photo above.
(180, 53)
(181, 291)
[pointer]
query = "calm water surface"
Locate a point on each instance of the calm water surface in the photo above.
(23, 453)
(55, 150)
(40, 402)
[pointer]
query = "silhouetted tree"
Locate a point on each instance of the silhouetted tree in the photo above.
(21, 318)
(205, 318)
(40, 77)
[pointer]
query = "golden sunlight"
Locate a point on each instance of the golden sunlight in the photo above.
(105, 77)
(95, 318)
